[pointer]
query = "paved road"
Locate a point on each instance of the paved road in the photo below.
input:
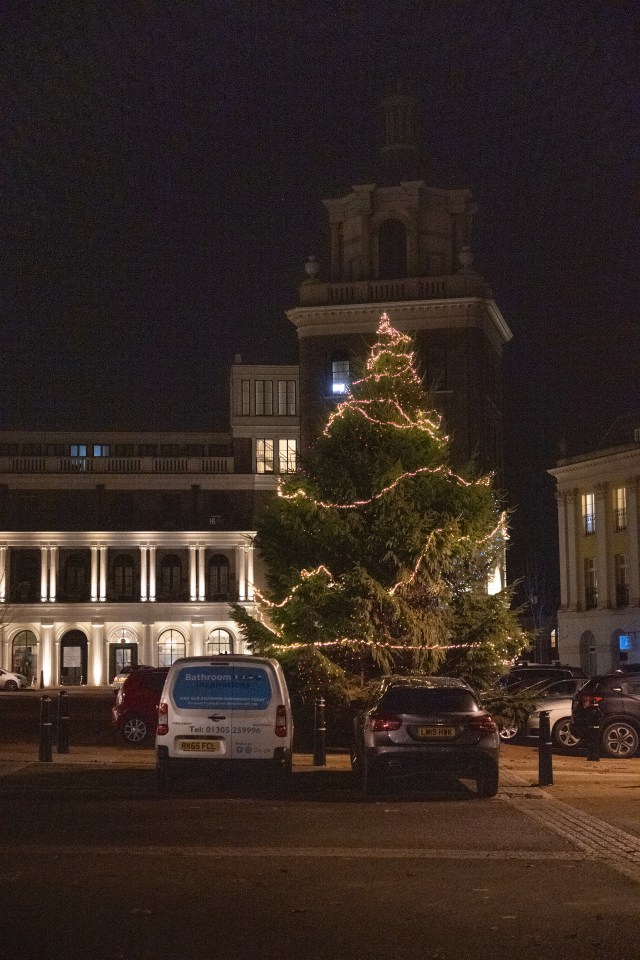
(95, 864)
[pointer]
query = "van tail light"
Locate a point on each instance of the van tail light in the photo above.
(281, 721)
(587, 702)
(484, 724)
(163, 718)
(378, 723)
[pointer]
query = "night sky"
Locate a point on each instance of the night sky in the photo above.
(163, 165)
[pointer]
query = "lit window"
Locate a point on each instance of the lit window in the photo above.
(264, 398)
(620, 507)
(286, 398)
(340, 376)
(287, 456)
(171, 645)
(264, 456)
(78, 449)
(101, 450)
(589, 513)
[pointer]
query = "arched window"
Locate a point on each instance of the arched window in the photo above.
(25, 654)
(170, 576)
(171, 646)
(340, 374)
(218, 577)
(76, 579)
(219, 641)
(123, 577)
(392, 250)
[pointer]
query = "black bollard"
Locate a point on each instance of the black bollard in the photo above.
(545, 751)
(45, 730)
(319, 735)
(63, 722)
(593, 736)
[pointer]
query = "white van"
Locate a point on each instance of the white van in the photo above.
(221, 713)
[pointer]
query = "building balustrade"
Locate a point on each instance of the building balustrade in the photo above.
(115, 465)
(379, 291)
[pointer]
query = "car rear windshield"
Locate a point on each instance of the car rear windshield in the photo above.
(428, 701)
(224, 687)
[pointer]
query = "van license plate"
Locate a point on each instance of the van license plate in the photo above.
(200, 746)
(439, 733)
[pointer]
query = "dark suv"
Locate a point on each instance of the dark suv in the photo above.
(613, 702)
(135, 711)
(421, 725)
(527, 675)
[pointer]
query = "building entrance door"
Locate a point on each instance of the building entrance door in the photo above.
(121, 656)
(73, 658)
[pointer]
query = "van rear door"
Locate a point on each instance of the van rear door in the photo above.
(254, 700)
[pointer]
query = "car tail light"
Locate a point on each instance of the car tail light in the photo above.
(163, 717)
(281, 721)
(379, 723)
(485, 724)
(588, 701)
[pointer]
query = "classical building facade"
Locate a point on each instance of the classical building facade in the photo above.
(598, 504)
(402, 246)
(120, 548)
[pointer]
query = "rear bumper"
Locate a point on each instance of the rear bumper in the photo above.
(281, 760)
(454, 760)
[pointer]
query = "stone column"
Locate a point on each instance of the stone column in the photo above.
(197, 632)
(603, 519)
(240, 568)
(96, 656)
(44, 558)
(147, 651)
(250, 583)
(94, 573)
(103, 573)
(47, 655)
(572, 550)
(3, 574)
(152, 573)
(53, 570)
(201, 570)
(632, 533)
(144, 587)
(561, 501)
(192, 573)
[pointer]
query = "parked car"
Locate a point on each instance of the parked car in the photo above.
(13, 681)
(556, 696)
(135, 711)
(419, 725)
(122, 675)
(557, 699)
(526, 675)
(612, 701)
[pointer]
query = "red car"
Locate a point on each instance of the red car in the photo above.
(135, 711)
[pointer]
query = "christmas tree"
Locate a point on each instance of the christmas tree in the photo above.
(378, 552)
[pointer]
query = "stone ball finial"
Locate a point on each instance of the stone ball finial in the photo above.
(312, 267)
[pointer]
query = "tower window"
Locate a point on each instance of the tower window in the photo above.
(340, 374)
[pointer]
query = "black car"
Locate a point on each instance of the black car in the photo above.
(611, 701)
(525, 676)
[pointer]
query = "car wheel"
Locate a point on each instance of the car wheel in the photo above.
(487, 780)
(563, 736)
(11, 685)
(510, 730)
(134, 731)
(620, 740)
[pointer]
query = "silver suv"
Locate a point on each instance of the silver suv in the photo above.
(421, 725)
